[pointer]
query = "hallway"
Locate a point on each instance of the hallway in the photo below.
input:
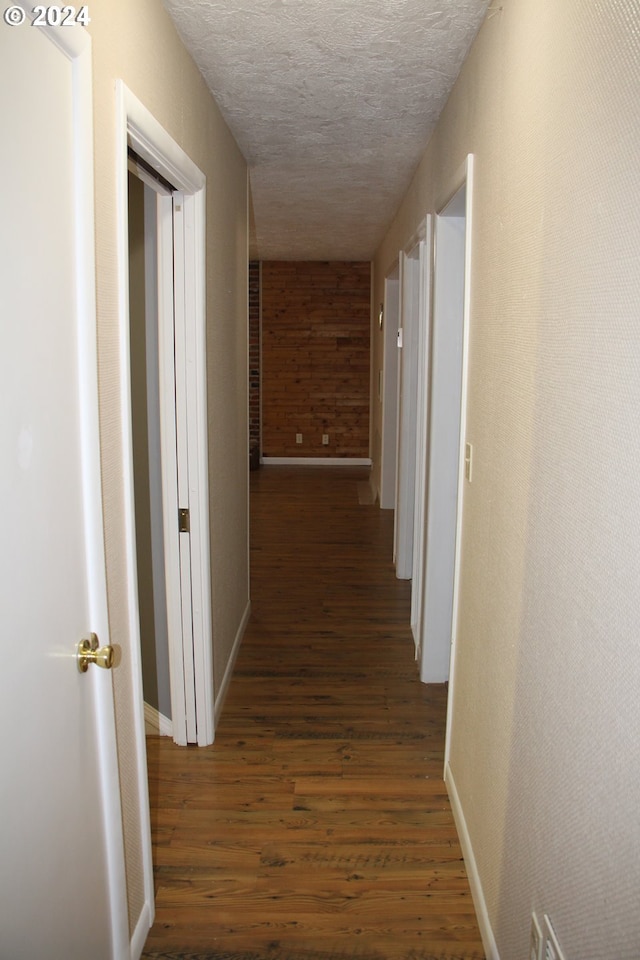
(317, 827)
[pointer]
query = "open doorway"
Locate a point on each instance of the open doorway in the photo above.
(174, 239)
(143, 190)
(447, 428)
(423, 307)
(411, 430)
(390, 321)
(408, 340)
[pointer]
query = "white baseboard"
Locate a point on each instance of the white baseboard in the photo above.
(317, 461)
(479, 902)
(156, 723)
(141, 932)
(226, 680)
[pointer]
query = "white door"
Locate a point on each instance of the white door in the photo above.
(422, 438)
(446, 435)
(389, 455)
(180, 396)
(62, 891)
(407, 413)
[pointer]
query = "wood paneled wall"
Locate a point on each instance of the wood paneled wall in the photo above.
(315, 358)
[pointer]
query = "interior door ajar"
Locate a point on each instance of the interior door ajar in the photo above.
(62, 883)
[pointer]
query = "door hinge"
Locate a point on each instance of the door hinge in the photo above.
(183, 520)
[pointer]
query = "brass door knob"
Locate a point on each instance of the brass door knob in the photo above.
(89, 651)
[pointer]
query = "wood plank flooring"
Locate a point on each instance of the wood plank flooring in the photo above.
(317, 827)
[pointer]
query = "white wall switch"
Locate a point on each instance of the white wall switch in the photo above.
(298, 438)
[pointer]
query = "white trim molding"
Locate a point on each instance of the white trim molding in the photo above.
(479, 901)
(135, 125)
(464, 177)
(226, 680)
(151, 141)
(141, 932)
(155, 723)
(425, 259)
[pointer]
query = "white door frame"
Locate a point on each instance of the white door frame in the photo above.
(408, 342)
(453, 339)
(405, 431)
(136, 126)
(422, 432)
(150, 141)
(467, 177)
(390, 323)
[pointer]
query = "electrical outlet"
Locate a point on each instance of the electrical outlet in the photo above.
(298, 438)
(535, 940)
(325, 439)
(552, 949)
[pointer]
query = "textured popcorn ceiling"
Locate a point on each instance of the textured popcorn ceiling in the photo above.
(332, 103)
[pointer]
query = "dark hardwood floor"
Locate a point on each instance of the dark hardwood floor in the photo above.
(318, 826)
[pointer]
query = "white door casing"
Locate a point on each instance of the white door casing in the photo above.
(413, 322)
(447, 427)
(445, 443)
(422, 434)
(182, 362)
(466, 181)
(391, 315)
(62, 881)
(407, 407)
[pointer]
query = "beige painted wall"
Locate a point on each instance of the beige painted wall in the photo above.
(546, 722)
(136, 42)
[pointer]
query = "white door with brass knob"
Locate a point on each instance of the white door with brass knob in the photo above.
(62, 884)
